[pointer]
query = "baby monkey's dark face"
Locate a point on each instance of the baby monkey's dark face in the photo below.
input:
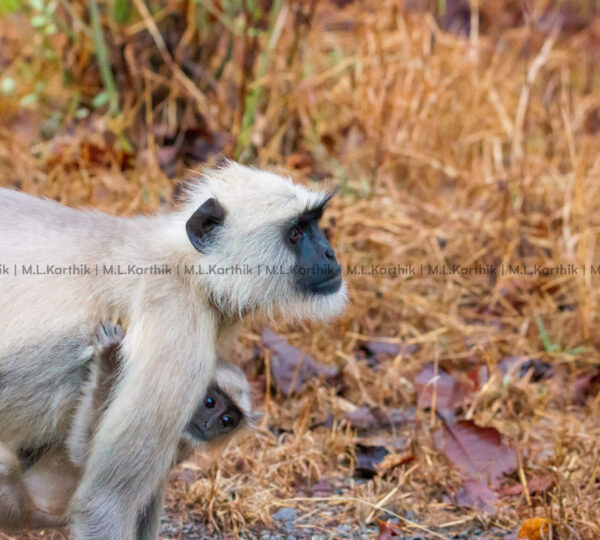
(217, 415)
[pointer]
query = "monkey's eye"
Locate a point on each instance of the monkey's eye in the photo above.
(295, 235)
(227, 421)
(209, 402)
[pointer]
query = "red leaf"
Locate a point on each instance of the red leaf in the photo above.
(291, 367)
(367, 459)
(536, 484)
(480, 454)
(478, 376)
(449, 393)
(474, 494)
(585, 386)
(388, 529)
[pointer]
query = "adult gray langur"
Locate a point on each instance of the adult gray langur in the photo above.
(35, 488)
(70, 269)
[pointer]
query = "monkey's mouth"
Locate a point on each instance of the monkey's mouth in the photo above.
(197, 432)
(328, 286)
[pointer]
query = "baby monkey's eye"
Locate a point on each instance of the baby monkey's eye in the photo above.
(209, 402)
(295, 235)
(227, 421)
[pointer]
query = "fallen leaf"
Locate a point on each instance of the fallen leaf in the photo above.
(585, 386)
(534, 528)
(477, 451)
(388, 529)
(478, 376)
(474, 494)
(367, 459)
(539, 368)
(291, 368)
(376, 351)
(366, 418)
(370, 418)
(321, 489)
(481, 456)
(391, 461)
(536, 484)
(449, 393)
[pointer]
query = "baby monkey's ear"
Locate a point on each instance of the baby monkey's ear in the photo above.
(203, 224)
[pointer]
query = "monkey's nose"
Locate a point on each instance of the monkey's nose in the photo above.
(330, 254)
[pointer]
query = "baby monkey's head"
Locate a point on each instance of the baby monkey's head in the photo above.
(226, 406)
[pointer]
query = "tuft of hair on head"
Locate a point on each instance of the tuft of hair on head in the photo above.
(232, 381)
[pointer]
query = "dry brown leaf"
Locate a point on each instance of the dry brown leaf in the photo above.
(534, 529)
(391, 461)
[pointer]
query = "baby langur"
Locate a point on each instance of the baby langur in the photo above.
(37, 496)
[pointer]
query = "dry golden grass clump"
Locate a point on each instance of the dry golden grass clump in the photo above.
(465, 138)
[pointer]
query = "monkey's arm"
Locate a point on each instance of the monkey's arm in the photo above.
(103, 372)
(163, 379)
(107, 341)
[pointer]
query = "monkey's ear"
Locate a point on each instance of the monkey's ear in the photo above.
(201, 226)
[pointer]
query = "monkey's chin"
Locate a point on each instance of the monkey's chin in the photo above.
(316, 307)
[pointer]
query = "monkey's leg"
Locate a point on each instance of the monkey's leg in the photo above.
(51, 482)
(136, 441)
(148, 523)
(18, 511)
(15, 504)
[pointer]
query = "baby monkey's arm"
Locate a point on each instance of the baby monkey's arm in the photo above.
(96, 391)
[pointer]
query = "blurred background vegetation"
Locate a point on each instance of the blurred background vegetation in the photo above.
(461, 132)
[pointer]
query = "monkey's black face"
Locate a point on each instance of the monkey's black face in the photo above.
(216, 416)
(317, 269)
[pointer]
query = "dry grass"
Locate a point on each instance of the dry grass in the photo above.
(451, 148)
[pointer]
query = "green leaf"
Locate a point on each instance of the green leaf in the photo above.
(100, 99)
(548, 345)
(122, 11)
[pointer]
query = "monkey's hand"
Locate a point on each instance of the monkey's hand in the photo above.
(107, 340)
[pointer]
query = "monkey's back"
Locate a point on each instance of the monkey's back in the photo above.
(50, 306)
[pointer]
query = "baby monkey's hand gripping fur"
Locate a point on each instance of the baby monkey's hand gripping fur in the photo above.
(38, 496)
